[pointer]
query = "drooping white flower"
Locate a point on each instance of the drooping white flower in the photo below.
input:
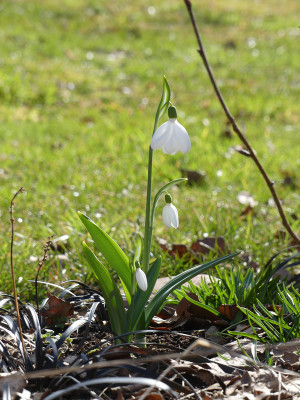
(171, 136)
(141, 279)
(170, 214)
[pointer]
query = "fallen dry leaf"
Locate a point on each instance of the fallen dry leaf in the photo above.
(208, 244)
(57, 310)
(194, 177)
(248, 210)
(178, 250)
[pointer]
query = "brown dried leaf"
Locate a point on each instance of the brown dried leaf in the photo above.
(61, 244)
(248, 210)
(205, 245)
(229, 311)
(178, 250)
(154, 396)
(57, 311)
(194, 177)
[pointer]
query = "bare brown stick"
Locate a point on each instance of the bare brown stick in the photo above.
(11, 212)
(235, 127)
(40, 264)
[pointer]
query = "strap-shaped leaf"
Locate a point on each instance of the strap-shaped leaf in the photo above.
(110, 291)
(111, 251)
(160, 297)
(140, 299)
(164, 101)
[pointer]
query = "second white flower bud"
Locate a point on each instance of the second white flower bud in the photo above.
(170, 214)
(141, 279)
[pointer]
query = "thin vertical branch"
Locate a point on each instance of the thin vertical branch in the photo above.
(40, 264)
(11, 212)
(236, 128)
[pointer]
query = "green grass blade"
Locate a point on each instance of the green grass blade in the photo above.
(244, 334)
(110, 291)
(249, 280)
(111, 251)
(265, 324)
(204, 306)
(159, 298)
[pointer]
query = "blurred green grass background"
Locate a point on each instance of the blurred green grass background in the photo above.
(79, 85)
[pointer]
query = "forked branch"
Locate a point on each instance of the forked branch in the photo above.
(236, 128)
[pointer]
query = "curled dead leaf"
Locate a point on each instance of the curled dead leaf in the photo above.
(57, 310)
(194, 177)
(206, 245)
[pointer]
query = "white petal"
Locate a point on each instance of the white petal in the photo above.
(170, 216)
(182, 138)
(171, 145)
(160, 136)
(171, 137)
(141, 279)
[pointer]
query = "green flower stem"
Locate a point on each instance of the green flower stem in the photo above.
(130, 311)
(162, 107)
(148, 225)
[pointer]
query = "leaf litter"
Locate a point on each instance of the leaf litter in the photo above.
(191, 366)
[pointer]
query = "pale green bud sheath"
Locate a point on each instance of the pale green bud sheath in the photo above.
(168, 198)
(172, 113)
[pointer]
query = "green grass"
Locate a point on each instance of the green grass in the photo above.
(79, 85)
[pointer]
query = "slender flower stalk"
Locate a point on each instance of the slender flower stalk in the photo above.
(171, 137)
(148, 227)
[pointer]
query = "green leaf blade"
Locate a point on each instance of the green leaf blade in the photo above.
(159, 298)
(110, 291)
(164, 101)
(111, 251)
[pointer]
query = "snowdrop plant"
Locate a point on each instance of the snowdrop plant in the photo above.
(137, 276)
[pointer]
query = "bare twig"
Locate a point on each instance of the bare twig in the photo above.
(235, 127)
(11, 212)
(40, 264)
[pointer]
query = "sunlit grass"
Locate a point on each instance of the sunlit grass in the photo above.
(79, 87)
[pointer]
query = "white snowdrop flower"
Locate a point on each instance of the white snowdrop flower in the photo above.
(170, 214)
(171, 136)
(141, 279)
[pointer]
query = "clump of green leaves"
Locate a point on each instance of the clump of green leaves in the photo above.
(281, 323)
(238, 287)
(231, 287)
